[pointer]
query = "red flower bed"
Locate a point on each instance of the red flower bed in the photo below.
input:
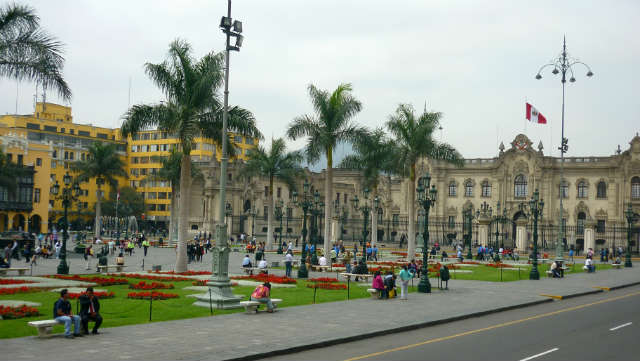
(8, 312)
(150, 277)
(102, 281)
(186, 273)
(4, 281)
(97, 294)
(399, 253)
(470, 262)
(498, 265)
(23, 289)
(381, 269)
(328, 286)
(324, 280)
(337, 265)
(142, 285)
(154, 295)
(266, 278)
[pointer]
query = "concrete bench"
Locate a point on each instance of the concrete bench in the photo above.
(616, 265)
(21, 271)
(320, 268)
(375, 294)
(117, 267)
(43, 326)
(275, 263)
(251, 270)
(252, 306)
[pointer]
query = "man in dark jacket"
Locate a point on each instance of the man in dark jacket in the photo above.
(89, 311)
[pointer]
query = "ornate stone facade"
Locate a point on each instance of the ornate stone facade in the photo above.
(597, 190)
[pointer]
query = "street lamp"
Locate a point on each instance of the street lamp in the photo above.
(536, 206)
(427, 197)
(69, 194)
(316, 210)
(630, 219)
(278, 214)
(305, 204)
(468, 218)
(563, 64)
(365, 208)
(253, 213)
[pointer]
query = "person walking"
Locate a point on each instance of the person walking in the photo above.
(288, 261)
(405, 277)
(145, 246)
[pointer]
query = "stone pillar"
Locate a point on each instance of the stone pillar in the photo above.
(483, 230)
(229, 226)
(335, 230)
(589, 235)
(521, 235)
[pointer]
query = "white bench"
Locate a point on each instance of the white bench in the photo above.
(616, 265)
(117, 267)
(275, 263)
(44, 327)
(251, 270)
(252, 306)
(320, 268)
(375, 294)
(21, 271)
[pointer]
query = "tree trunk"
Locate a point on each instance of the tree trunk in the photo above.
(411, 244)
(173, 227)
(328, 204)
(98, 223)
(183, 217)
(270, 216)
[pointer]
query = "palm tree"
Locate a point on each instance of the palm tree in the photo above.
(414, 139)
(104, 164)
(192, 109)
(10, 172)
(374, 155)
(27, 52)
(170, 171)
(275, 164)
(330, 125)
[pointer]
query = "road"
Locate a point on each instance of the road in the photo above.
(596, 327)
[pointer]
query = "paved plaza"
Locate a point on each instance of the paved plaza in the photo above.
(241, 335)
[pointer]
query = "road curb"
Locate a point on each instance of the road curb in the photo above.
(358, 337)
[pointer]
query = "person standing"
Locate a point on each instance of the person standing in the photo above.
(288, 261)
(90, 311)
(62, 313)
(145, 246)
(88, 252)
(405, 277)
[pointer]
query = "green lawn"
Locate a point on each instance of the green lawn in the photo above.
(484, 273)
(120, 311)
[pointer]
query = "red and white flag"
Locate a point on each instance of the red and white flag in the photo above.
(533, 115)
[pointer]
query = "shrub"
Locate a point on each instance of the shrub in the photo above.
(8, 312)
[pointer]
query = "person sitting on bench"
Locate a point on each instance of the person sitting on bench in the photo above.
(555, 271)
(262, 294)
(90, 311)
(120, 259)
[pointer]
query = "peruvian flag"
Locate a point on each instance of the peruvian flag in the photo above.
(533, 115)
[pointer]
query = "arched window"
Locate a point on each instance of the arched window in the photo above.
(520, 186)
(453, 189)
(564, 189)
(580, 224)
(635, 187)
(468, 189)
(486, 189)
(602, 190)
(582, 189)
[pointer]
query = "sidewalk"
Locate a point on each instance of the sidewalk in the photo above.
(245, 336)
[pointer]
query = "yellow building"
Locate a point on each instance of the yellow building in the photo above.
(144, 154)
(50, 141)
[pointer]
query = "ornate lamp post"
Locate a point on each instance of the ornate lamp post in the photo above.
(365, 208)
(427, 197)
(316, 210)
(305, 204)
(342, 214)
(563, 64)
(630, 219)
(536, 206)
(278, 214)
(288, 215)
(69, 194)
(469, 217)
(253, 212)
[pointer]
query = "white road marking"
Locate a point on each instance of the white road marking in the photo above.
(540, 354)
(621, 326)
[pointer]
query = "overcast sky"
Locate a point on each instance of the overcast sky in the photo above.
(474, 61)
